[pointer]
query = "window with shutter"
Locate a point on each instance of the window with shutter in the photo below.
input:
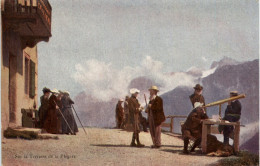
(32, 79)
(26, 76)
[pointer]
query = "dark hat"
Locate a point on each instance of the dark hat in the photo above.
(46, 90)
(234, 93)
(198, 87)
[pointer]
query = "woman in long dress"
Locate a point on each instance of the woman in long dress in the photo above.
(44, 105)
(52, 123)
(68, 114)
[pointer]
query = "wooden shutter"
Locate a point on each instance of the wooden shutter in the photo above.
(32, 79)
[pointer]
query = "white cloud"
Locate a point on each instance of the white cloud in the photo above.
(248, 131)
(104, 82)
(204, 59)
(101, 80)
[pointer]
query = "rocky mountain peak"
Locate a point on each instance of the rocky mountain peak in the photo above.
(223, 62)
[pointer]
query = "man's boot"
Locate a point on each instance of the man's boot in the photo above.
(145, 127)
(226, 137)
(133, 140)
(138, 141)
(226, 140)
(186, 143)
(196, 143)
(226, 133)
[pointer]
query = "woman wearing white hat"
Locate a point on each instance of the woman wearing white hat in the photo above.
(134, 109)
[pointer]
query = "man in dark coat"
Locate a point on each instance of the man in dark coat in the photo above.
(68, 115)
(156, 116)
(143, 122)
(52, 123)
(192, 128)
(134, 110)
(44, 105)
(119, 114)
(197, 95)
(126, 113)
(232, 114)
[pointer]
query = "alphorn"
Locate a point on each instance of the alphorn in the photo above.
(225, 100)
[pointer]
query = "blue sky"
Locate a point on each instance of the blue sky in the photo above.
(122, 33)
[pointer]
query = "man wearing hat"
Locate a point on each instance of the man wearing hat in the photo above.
(134, 109)
(44, 105)
(232, 114)
(156, 116)
(197, 95)
(126, 113)
(192, 127)
(119, 114)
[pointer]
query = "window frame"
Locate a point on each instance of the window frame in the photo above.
(27, 73)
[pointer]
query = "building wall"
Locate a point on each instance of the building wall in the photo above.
(24, 100)
(12, 45)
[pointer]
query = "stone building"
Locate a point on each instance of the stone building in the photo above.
(24, 24)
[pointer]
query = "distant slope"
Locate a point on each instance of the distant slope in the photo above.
(252, 145)
(95, 113)
(223, 62)
(242, 77)
(177, 102)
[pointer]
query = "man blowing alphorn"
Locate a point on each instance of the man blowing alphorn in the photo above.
(134, 109)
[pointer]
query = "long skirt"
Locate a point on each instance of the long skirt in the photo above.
(52, 122)
(68, 115)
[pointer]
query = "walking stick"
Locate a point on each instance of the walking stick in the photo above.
(79, 119)
(145, 100)
(64, 119)
(149, 111)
